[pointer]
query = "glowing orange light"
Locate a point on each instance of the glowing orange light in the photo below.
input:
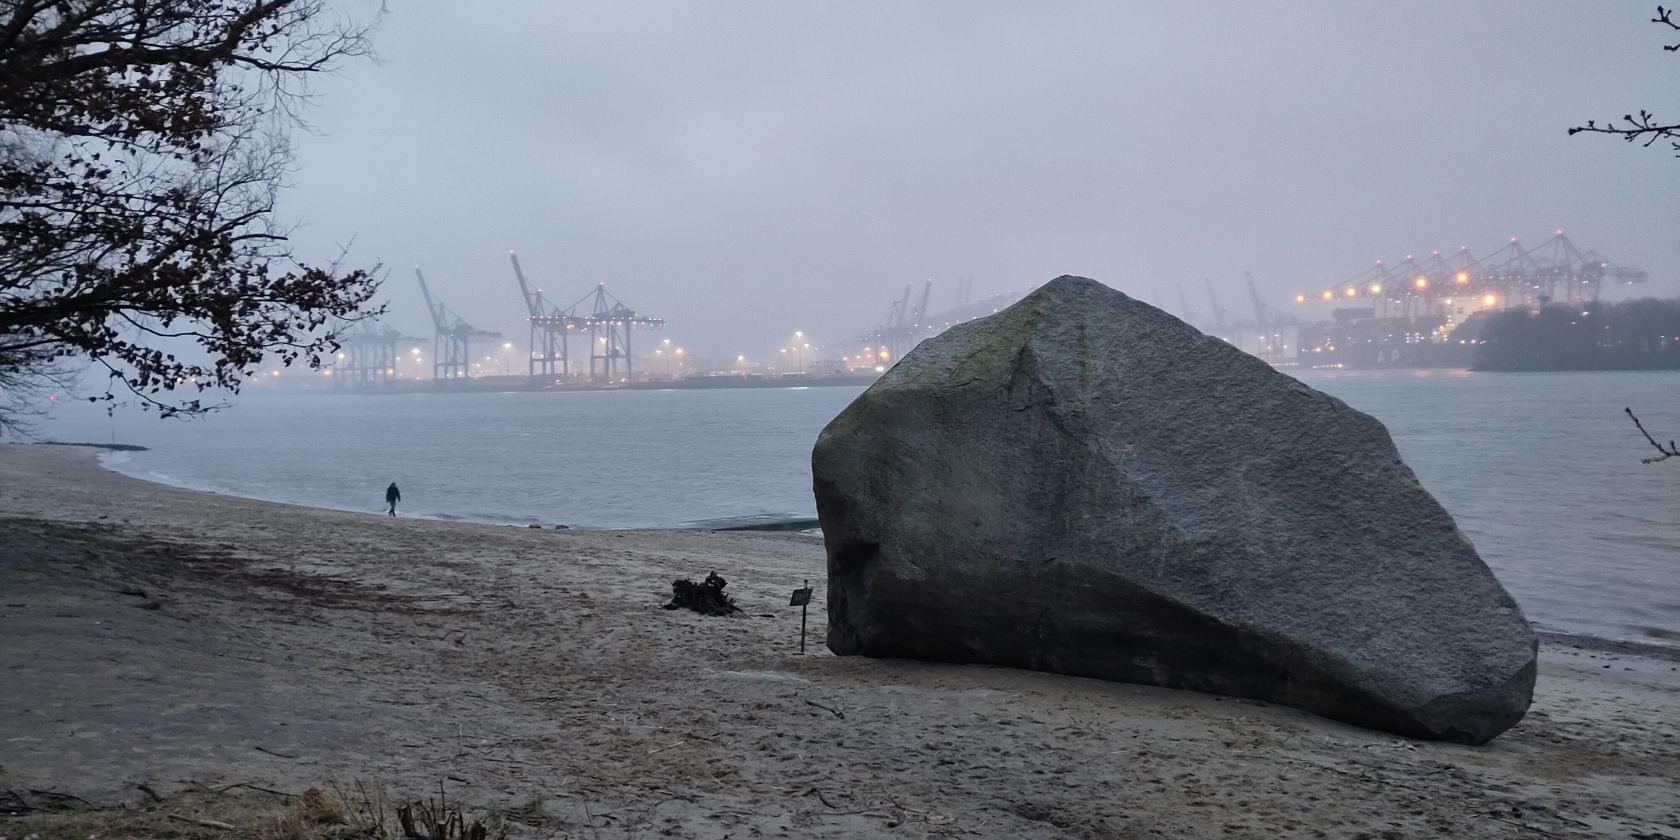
(1376, 288)
(1352, 291)
(1422, 282)
(1300, 298)
(1489, 300)
(1463, 277)
(1329, 294)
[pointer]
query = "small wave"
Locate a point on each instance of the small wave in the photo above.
(1660, 634)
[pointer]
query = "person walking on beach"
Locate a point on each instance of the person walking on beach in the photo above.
(392, 496)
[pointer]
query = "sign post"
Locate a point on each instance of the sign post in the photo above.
(802, 599)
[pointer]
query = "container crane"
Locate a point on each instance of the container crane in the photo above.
(609, 323)
(918, 319)
(367, 355)
(452, 337)
(1271, 338)
(550, 330)
(1220, 324)
(1184, 310)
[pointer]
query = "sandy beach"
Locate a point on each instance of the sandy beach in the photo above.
(172, 639)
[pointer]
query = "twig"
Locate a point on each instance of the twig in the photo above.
(147, 789)
(57, 795)
(830, 709)
(591, 817)
(1671, 451)
(235, 785)
(823, 799)
(272, 752)
(204, 822)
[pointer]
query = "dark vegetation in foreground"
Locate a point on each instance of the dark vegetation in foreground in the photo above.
(247, 811)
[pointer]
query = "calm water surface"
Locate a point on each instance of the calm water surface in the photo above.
(1541, 470)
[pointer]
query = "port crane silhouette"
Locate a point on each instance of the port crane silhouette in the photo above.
(452, 337)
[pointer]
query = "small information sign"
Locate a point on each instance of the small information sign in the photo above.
(802, 599)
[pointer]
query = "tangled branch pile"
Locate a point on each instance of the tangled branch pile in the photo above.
(706, 598)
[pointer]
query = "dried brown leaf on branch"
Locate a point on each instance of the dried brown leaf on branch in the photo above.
(142, 148)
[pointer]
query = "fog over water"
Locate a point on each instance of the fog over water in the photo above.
(745, 170)
(1541, 471)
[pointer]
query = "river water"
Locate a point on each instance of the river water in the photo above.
(1541, 471)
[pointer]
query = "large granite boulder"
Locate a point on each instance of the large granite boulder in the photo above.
(1084, 484)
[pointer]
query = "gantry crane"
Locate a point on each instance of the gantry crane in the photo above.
(1553, 271)
(1221, 325)
(1271, 347)
(551, 328)
(367, 354)
(451, 345)
(609, 323)
(1184, 310)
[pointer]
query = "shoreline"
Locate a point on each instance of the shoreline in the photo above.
(776, 523)
(753, 522)
(164, 637)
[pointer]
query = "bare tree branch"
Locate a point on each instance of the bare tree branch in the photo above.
(1643, 128)
(1670, 451)
(142, 149)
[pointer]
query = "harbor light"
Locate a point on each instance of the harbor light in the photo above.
(1421, 282)
(414, 352)
(1462, 278)
(1376, 288)
(1300, 298)
(1329, 294)
(1489, 300)
(1352, 292)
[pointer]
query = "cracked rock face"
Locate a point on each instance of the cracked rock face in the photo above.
(1084, 484)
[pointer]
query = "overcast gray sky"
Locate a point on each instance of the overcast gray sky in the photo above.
(745, 169)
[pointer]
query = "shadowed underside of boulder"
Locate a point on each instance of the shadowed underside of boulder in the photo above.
(1084, 484)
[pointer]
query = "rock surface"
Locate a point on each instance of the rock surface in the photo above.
(1084, 484)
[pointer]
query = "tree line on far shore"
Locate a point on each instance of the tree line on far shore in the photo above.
(1641, 334)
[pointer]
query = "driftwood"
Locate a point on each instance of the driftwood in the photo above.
(706, 598)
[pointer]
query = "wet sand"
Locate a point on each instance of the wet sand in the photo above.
(156, 636)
